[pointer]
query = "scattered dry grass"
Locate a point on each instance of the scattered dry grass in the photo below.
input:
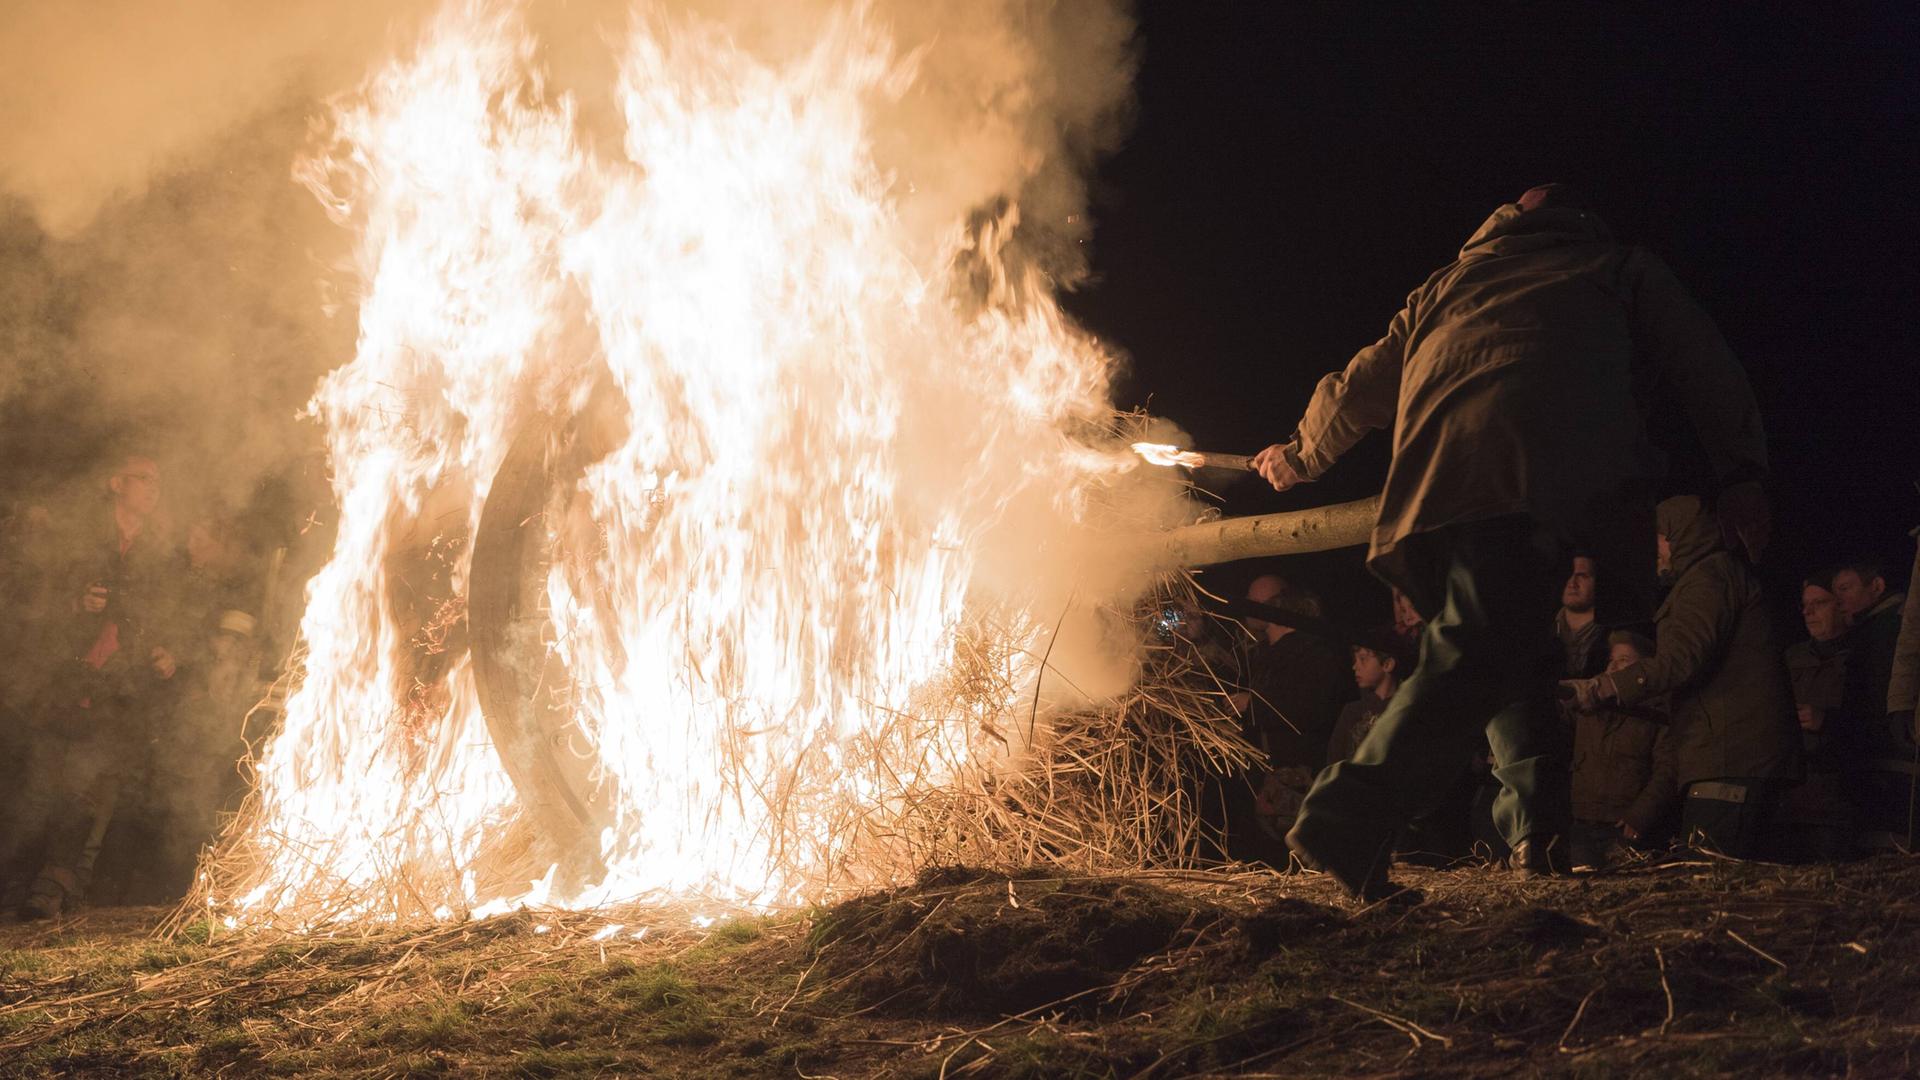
(1689, 968)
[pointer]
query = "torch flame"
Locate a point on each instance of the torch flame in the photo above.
(1163, 454)
(849, 478)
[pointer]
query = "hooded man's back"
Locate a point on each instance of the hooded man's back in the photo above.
(1516, 381)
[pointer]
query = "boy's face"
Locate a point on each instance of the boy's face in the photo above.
(1622, 656)
(1369, 668)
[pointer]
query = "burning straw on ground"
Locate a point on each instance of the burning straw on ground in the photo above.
(726, 509)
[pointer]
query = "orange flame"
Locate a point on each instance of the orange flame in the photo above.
(840, 463)
(1163, 454)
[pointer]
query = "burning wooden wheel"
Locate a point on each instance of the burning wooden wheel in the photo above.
(524, 686)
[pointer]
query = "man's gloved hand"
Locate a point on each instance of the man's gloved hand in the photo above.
(1590, 694)
(1273, 466)
(1746, 518)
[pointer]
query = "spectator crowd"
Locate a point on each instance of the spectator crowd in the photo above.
(135, 662)
(1701, 729)
(139, 662)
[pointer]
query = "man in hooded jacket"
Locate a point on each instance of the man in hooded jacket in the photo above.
(1736, 740)
(1516, 381)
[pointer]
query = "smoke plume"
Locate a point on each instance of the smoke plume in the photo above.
(170, 288)
(813, 248)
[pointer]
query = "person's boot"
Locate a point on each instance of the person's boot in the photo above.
(1540, 856)
(48, 896)
(1368, 884)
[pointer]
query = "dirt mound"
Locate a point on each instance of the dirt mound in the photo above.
(968, 942)
(1685, 967)
(1538, 928)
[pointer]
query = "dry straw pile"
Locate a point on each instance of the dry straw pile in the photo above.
(1096, 791)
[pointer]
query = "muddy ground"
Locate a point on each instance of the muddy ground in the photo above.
(1696, 967)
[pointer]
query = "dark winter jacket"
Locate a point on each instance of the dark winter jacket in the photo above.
(1717, 656)
(1517, 380)
(1623, 767)
(1870, 671)
(1299, 684)
(1586, 647)
(1355, 721)
(1818, 673)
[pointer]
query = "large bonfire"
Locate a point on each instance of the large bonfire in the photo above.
(836, 596)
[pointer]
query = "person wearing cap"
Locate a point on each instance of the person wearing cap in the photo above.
(1736, 740)
(1623, 767)
(1516, 381)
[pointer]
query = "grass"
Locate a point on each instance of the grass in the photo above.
(1691, 969)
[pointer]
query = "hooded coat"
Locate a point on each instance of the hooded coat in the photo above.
(1516, 380)
(1717, 655)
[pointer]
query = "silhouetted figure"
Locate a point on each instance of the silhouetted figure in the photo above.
(113, 634)
(1512, 382)
(1294, 687)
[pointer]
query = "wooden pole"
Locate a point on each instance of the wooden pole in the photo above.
(1295, 532)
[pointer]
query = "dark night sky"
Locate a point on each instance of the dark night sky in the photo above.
(1295, 169)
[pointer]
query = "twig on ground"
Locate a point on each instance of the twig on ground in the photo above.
(1400, 1022)
(1665, 988)
(1575, 1022)
(1758, 951)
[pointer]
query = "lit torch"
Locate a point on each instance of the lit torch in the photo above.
(1162, 454)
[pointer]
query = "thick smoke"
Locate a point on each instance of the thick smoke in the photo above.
(164, 275)
(100, 99)
(170, 288)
